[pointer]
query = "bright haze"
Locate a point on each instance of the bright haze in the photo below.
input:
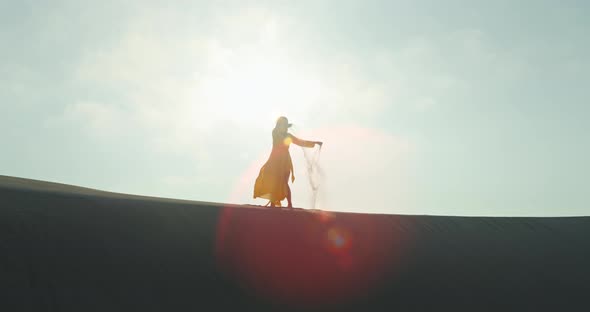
(425, 107)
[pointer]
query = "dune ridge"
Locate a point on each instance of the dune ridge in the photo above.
(66, 248)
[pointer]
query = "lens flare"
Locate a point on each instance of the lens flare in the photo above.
(293, 257)
(338, 239)
(287, 141)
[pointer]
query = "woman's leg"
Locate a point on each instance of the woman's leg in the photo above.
(274, 187)
(289, 203)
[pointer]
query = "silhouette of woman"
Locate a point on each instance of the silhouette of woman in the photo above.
(273, 179)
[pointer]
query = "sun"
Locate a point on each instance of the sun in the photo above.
(254, 92)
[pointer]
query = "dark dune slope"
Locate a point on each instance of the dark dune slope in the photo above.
(65, 248)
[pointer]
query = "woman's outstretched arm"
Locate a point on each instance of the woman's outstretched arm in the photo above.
(303, 143)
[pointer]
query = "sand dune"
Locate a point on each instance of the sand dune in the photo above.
(66, 248)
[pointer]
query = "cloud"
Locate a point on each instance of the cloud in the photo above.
(177, 86)
(101, 120)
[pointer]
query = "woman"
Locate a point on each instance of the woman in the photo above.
(273, 180)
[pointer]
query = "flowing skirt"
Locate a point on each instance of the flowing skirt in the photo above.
(273, 178)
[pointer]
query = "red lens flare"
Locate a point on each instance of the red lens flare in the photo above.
(297, 257)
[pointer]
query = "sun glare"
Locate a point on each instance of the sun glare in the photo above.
(254, 93)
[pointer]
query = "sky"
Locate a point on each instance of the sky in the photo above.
(424, 107)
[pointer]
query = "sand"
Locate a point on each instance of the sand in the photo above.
(66, 248)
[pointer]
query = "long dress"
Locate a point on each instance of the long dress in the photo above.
(273, 178)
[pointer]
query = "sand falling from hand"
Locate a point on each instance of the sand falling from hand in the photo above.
(315, 173)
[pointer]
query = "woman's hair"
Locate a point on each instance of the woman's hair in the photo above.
(283, 121)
